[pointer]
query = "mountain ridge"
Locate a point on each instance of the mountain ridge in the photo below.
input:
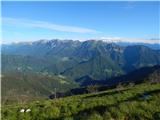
(119, 41)
(102, 57)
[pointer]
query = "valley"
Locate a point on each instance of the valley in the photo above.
(80, 60)
(73, 80)
(37, 68)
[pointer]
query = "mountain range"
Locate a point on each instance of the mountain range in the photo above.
(70, 63)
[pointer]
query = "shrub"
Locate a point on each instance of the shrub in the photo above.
(52, 112)
(95, 116)
(92, 88)
(107, 116)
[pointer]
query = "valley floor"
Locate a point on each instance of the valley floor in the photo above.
(139, 102)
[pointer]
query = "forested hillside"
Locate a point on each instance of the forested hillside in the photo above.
(76, 59)
(38, 68)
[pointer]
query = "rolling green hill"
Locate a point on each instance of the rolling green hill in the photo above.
(17, 85)
(139, 102)
(126, 101)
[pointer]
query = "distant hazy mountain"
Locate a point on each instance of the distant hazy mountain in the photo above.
(152, 46)
(75, 59)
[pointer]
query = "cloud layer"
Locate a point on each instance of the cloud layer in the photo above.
(130, 40)
(64, 28)
(45, 25)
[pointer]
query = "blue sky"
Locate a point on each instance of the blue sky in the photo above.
(27, 21)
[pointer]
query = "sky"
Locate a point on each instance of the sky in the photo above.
(28, 21)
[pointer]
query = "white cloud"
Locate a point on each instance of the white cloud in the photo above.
(55, 27)
(45, 25)
(130, 40)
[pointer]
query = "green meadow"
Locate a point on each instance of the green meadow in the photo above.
(132, 102)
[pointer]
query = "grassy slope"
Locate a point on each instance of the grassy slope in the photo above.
(115, 104)
(18, 85)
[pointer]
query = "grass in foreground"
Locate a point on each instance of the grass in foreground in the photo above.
(140, 102)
